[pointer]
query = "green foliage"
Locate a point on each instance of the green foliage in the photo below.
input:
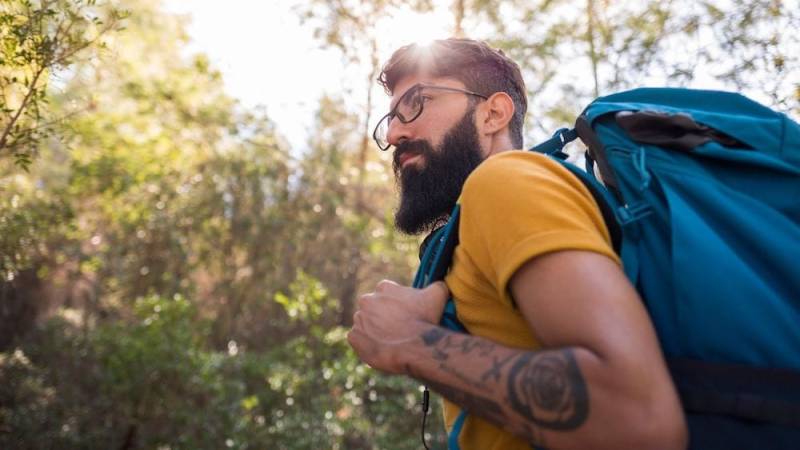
(173, 275)
(572, 51)
(28, 218)
(152, 381)
(307, 301)
(38, 39)
(162, 229)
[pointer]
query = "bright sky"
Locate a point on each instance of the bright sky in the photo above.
(268, 58)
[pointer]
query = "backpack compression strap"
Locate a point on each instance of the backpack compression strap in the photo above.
(749, 393)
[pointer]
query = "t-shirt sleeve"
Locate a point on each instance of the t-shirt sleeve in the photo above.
(518, 205)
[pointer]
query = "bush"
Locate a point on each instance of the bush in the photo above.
(153, 382)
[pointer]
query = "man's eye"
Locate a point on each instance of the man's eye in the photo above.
(411, 100)
(420, 100)
(409, 96)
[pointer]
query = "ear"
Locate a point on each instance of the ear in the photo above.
(496, 113)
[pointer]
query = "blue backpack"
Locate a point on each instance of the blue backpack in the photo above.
(701, 194)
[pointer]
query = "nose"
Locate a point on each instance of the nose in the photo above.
(398, 131)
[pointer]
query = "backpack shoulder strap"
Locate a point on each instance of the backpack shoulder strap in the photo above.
(436, 257)
(605, 202)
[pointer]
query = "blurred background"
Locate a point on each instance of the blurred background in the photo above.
(190, 200)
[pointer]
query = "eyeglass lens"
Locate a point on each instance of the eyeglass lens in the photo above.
(408, 108)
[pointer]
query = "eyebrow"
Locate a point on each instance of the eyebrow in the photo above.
(393, 105)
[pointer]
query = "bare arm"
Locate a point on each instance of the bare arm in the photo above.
(601, 383)
(526, 393)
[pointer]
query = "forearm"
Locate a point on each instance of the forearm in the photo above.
(563, 398)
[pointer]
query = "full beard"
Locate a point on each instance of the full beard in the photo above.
(429, 191)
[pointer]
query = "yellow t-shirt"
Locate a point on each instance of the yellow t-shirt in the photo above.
(515, 206)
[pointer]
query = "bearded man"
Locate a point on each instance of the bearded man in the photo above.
(560, 352)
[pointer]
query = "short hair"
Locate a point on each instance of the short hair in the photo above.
(481, 68)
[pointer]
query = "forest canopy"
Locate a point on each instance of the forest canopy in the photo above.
(174, 274)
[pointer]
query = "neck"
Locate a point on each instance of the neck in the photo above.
(498, 142)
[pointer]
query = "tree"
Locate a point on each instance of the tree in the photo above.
(572, 51)
(173, 274)
(40, 39)
(350, 26)
(181, 259)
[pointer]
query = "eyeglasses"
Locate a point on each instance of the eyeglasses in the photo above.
(407, 109)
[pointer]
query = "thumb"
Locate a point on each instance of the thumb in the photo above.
(437, 291)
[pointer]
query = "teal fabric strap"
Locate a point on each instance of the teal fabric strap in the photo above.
(555, 144)
(452, 438)
(424, 266)
(435, 255)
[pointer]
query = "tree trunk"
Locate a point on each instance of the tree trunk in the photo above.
(592, 51)
(350, 287)
(458, 16)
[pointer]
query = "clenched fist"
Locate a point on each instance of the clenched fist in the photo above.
(391, 317)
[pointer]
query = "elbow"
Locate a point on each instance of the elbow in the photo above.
(644, 401)
(660, 425)
(647, 414)
(667, 434)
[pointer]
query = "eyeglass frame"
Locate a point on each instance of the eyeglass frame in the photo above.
(417, 87)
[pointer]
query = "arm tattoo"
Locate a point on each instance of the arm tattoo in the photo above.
(471, 403)
(480, 385)
(433, 336)
(549, 390)
(444, 343)
(497, 364)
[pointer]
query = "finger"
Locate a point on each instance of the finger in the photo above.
(437, 291)
(352, 338)
(385, 285)
(364, 300)
(356, 339)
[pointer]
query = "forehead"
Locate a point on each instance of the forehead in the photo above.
(406, 83)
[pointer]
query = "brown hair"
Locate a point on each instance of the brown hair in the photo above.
(481, 68)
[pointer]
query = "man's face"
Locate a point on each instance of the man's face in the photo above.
(433, 155)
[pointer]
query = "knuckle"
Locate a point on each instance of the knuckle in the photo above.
(383, 285)
(442, 288)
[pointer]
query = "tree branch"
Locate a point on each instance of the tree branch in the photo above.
(21, 108)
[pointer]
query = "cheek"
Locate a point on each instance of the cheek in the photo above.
(440, 126)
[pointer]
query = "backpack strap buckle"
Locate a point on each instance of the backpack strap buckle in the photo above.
(627, 215)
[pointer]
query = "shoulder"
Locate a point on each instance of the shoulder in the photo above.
(519, 205)
(514, 173)
(524, 197)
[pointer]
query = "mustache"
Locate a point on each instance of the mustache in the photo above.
(419, 146)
